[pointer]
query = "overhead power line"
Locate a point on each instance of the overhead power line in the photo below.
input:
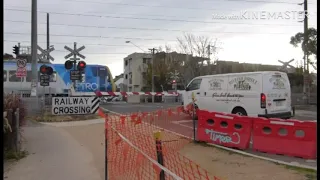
(87, 44)
(155, 19)
(86, 36)
(186, 8)
(146, 29)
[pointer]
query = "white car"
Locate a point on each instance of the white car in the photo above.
(258, 94)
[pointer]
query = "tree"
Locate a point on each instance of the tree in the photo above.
(298, 39)
(196, 62)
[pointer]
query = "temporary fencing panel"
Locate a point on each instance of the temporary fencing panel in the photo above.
(224, 129)
(286, 137)
(133, 150)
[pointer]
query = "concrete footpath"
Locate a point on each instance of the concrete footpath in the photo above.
(53, 154)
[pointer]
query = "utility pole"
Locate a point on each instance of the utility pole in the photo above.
(306, 61)
(34, 49)
(152, 71)
(48, 37)
(208, 61)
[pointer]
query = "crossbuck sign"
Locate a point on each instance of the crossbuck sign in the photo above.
(74, 105)
(74, 52)
(45, 53)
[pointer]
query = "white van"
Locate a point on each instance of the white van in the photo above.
(258, 94)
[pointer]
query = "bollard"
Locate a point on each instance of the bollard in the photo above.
(157, 136)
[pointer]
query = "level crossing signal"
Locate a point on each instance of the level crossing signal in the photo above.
(81, 65)
(47, 70)
(16, 50)
(68, 65)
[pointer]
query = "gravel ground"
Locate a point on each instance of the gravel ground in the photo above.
(223, 164)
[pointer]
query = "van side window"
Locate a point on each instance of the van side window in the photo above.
(195, 84)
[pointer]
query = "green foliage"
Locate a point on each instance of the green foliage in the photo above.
(12, 101)
(298, 39)
(10, 154)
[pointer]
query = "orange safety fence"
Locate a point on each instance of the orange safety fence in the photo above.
(146, 145)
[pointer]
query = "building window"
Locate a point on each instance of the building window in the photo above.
(126, 62)
(13, 77)
(126, 76)
(4, 76)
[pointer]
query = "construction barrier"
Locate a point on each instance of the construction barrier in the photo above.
(286, 137)
(139, 146)
(277, 136)
(224, 129)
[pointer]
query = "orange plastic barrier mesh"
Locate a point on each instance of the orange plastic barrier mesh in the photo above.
(132, 148)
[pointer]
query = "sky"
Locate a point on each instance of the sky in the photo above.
(104, 26)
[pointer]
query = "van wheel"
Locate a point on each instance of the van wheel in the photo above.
(239, 111)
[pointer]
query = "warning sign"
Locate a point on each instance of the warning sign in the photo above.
(74, 105)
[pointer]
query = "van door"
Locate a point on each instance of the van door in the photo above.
(193, 87)
(276, 87)
(215, 94)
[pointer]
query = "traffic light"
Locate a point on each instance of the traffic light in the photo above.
(68, 65)
(81, 65)
(174, 81)
(16, 50)
(44, 69)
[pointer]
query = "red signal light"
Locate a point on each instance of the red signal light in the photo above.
(46, 70)
(81, 65)
(174, 81)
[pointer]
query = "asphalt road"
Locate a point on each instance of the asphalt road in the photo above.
(184, 126)
(122, 107)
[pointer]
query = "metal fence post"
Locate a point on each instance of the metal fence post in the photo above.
(106, 146)
(157, 136)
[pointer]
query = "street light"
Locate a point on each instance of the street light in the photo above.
(135, 45)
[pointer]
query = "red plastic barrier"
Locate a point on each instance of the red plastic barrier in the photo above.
(224, 129)
(285, 137)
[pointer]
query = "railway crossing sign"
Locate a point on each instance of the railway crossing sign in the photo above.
(75, 105)
(74, 52)
(45, 54)
(44, 80)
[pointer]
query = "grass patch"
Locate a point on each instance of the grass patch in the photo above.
(11, 155)
(48, 117)
(310, 174)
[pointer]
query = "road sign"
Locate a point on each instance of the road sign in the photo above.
(75, 105)
(21, 63)
(44, 80)
(75, 75)
(45, 54)
(75, 51)
(21, 72)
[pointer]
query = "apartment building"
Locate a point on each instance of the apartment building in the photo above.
(135, 65)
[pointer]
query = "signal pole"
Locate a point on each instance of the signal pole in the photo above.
(152, 72)
(48, 37)
(306, 61)
(34, 44)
